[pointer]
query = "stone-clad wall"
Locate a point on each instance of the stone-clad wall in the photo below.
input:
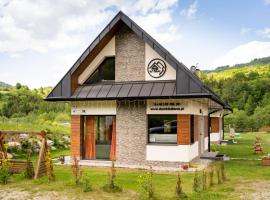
(131, 134)
(129, 56)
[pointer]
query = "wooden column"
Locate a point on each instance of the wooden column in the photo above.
(75, 135)
(183, 129)
(113, 145)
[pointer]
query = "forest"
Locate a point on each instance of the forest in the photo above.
(246, 87)
(24, 109)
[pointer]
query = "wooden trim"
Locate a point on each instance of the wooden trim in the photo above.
(183, 129)
(75, 135)
(215, 125)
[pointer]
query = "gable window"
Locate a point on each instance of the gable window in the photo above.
(104, 72)
(162, 129)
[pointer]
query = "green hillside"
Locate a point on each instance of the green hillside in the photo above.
(247, 89)
(24, 109)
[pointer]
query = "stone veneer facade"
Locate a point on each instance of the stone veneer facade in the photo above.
(131, 123)
(129, 56)
(131, 134)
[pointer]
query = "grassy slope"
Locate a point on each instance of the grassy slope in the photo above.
(241, 173)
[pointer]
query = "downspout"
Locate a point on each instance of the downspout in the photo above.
(209, 124)
(223, 125)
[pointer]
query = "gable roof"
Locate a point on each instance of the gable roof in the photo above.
(186, 82)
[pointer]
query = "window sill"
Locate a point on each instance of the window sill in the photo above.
(163, 144)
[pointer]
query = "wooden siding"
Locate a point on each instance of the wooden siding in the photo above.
(215, 124)
(75, 135)
(183, 129)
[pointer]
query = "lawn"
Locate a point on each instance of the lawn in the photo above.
(246, 179)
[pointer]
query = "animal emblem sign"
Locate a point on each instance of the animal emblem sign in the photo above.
(156, 68)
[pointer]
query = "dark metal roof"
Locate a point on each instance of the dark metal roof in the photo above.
(130, 90)
(186, 82)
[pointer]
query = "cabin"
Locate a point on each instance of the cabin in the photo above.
(132, 102)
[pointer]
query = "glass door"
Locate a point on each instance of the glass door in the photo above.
(103, 136)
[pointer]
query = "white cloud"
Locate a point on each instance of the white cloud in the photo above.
(245, 30)
(244, 53)
(266, 2)
(44, 25)
(264, 32)
(191, 11)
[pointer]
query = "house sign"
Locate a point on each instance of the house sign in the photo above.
(167, 106)
(156, 68)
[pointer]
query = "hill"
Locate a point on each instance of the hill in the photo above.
(24, 109)
(5, 85)
(254, 63)
(246, 87)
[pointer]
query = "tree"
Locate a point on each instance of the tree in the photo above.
(18, 86)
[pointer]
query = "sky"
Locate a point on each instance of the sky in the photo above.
(40, 40)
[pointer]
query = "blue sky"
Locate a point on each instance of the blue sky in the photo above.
(40, 40)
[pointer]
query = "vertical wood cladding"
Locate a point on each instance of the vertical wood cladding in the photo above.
(183, 129)
(215, 124)
(129, 56)
(89, 144)
(75, 135)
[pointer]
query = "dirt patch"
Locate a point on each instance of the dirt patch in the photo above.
(254, 190)
(19, 194)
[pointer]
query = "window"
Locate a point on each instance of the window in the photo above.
(105, 72)
(162, 129)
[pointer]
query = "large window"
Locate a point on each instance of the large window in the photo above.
(162, 129)
(105, 72)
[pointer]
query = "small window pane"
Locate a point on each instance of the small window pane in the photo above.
(162, 128)
(105, 72)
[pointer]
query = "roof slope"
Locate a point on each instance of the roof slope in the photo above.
(186, 82)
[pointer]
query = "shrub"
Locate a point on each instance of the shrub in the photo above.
(219, 181)
(178, 189)
(87, 187)
(76, 170)
(222, 169)
(49, 167)
(146, 185)
(29, 172)
(4, 172)
(196, 182)
(211, 176)
(204, 181)
(111, 186)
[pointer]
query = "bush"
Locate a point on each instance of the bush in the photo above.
(87, 187)
(196, 182)
(211, 176)
(111, 186)
(178, 189)
(219, 181)
(222, 170)
(204, 181)
(146, 185)
(4, 172)
(29, 172)
(76, 170)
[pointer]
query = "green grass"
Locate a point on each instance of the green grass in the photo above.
(241, 174)
(21, 126)
(244, 146)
